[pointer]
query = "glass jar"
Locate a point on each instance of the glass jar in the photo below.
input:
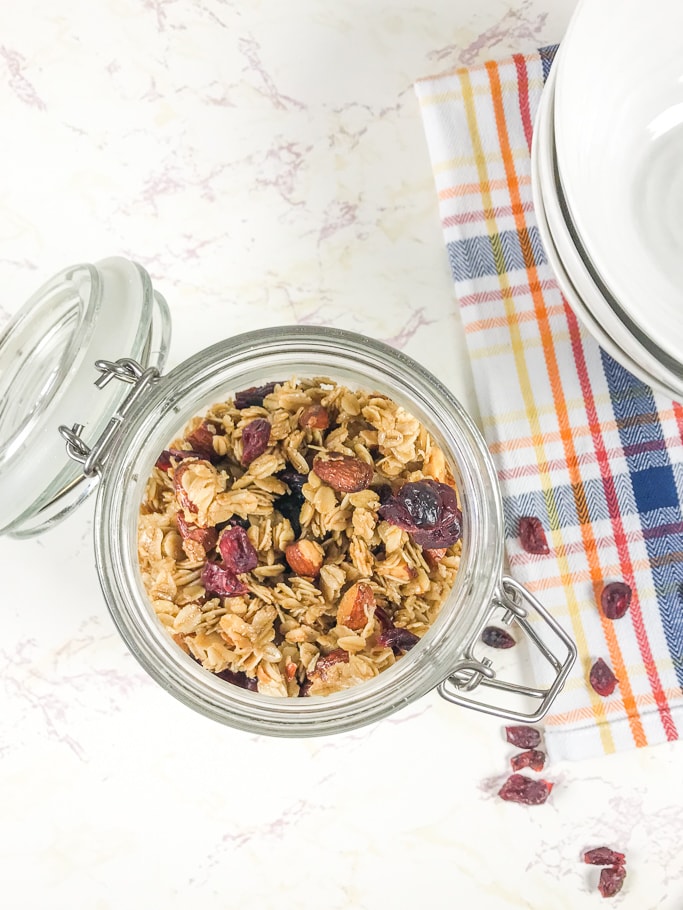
(155, 410)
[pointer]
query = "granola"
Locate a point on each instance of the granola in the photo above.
(300, 537)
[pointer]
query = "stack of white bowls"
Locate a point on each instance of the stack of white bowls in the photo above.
(607, 178)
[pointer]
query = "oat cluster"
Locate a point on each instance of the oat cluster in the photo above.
(262, 547)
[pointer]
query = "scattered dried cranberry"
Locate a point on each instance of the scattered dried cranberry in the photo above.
(219, 580)
(603, 856)
(428, 511)
(532, 536)
(239, 679)
(497, 638)
(255, 437)
(523, 737)
(611, 880)
(253, 396)
(532, 758)
(615, 599)
(207, 537)
(201, 440)
(602, 679)
(520, 789)
(164, 462)
(237, 550)
(397, 638)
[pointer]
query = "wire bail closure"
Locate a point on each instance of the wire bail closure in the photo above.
(470, 672)
(127, 370)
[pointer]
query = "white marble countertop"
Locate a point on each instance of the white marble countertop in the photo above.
(265, 162)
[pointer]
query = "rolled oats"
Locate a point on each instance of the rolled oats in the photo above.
(354, 593)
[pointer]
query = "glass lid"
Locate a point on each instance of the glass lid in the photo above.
(86, 313)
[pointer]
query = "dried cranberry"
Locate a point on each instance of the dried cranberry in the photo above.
(324, 662)
(603, 856)
(532, 758)
(255, 437)
(289, 506)
(253, 396)
(520, 789)
(532, 536)
(428, 511)
(421, 502)
(602, 679)
(219, 580)
(611, 880)
(397, 638)
(237, 550)
(239, 679)
(523, 737)
(237, 521)
(497, 638)
(385, 493)
(201, 440)
(615, 599)
(293, 480)
(385, 620)
(207, 537)
(165, 461)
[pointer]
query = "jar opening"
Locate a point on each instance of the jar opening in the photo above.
(252, 360)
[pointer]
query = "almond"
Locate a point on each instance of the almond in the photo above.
(401, 571)
(314, 417)
(207, 537)
(356, 607)
(305, 557)
(434, 556)
(343, 473)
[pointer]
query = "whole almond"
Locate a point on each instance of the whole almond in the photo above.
(314, 417)
(343, 473)
(305, 557)
(356, 606)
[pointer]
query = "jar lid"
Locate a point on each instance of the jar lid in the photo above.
(84, 314)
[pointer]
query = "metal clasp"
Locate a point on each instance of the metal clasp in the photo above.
(470, 672)
(127, 370)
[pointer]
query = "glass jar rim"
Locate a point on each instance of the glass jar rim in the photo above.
(242, 361)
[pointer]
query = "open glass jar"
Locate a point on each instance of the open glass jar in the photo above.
(117, 447)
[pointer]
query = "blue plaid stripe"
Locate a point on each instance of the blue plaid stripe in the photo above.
(476, 257)
(656, 498)
(547, 55)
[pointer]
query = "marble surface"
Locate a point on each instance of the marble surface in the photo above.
(265, 162)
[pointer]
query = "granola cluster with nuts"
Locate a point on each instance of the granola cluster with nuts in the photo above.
(300, 537)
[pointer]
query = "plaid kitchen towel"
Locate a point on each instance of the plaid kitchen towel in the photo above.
(577, 441)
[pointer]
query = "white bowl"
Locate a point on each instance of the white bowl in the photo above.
(619, 138)
(575, 280)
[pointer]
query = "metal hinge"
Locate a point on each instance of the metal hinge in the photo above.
(470, 672)
(127, 370)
